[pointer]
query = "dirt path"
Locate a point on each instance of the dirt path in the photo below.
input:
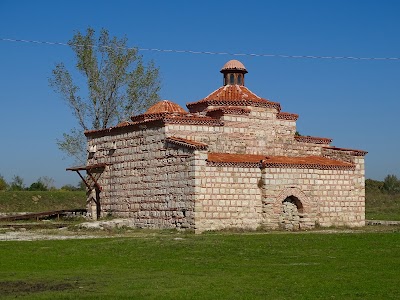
(96, 231)
(36, 235)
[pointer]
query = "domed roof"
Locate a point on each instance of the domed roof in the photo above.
(234, 65)
(165, 106)
(231, 95)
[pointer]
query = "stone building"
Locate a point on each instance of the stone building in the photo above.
(232, 160)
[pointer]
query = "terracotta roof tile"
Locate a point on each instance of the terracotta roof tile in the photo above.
(172, 113)
(311, 162)
(232, 95)
(148, 117)
(192, 120)
(159, 120)
(313, 139)
(133, 125)
(287, 116)
(235, 158)
(186, 143)
(165, 106)
(123, 124)
(354, 152)
(251, 160)
(227, 110)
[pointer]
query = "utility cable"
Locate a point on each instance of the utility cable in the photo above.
(204, 52)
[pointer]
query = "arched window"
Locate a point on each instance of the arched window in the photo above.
(231, 79)
(294, 200)
(239, 79)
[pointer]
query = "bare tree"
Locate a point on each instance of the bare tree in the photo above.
(118, 85)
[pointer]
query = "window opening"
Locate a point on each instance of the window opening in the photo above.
(231, 79)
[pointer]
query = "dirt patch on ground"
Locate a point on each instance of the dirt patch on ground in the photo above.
(36, 235)
(8, 288)
(103, 231)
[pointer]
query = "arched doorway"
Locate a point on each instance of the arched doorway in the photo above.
(291, 213)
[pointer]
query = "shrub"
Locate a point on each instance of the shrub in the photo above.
(17, 184)
(373, 185)
(37, 186)
(391, 184)
(3, 184)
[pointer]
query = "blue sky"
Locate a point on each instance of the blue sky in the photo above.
(356, 103)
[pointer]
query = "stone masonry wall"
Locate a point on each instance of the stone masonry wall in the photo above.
(358, 177)
(147, 180)
(228, 197)
(260, 132)
(328, 197)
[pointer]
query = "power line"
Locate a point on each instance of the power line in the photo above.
(205, 52)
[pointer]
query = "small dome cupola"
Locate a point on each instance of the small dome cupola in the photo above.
(233, 72)
(159, 110)
(165, 106)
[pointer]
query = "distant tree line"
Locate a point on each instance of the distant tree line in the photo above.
(41, 184)
(390, 185)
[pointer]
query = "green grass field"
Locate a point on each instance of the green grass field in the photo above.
(37, 201)
(380, 206)
(168, 265)
(364, 264)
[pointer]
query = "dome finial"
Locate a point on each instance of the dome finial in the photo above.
(233, 72)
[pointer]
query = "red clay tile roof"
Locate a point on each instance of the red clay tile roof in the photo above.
(287, 116)
(165, 106)
(354, 152)
(313, 139)
(186, 143)
(123, 124)
(233, 65)
(251, 160)
(235, 158)
(148, 117)
(306, 162)
(192, 120)
(155, 113)
(119, 125)
(158, 120)
(172, 113)
(232, 95)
